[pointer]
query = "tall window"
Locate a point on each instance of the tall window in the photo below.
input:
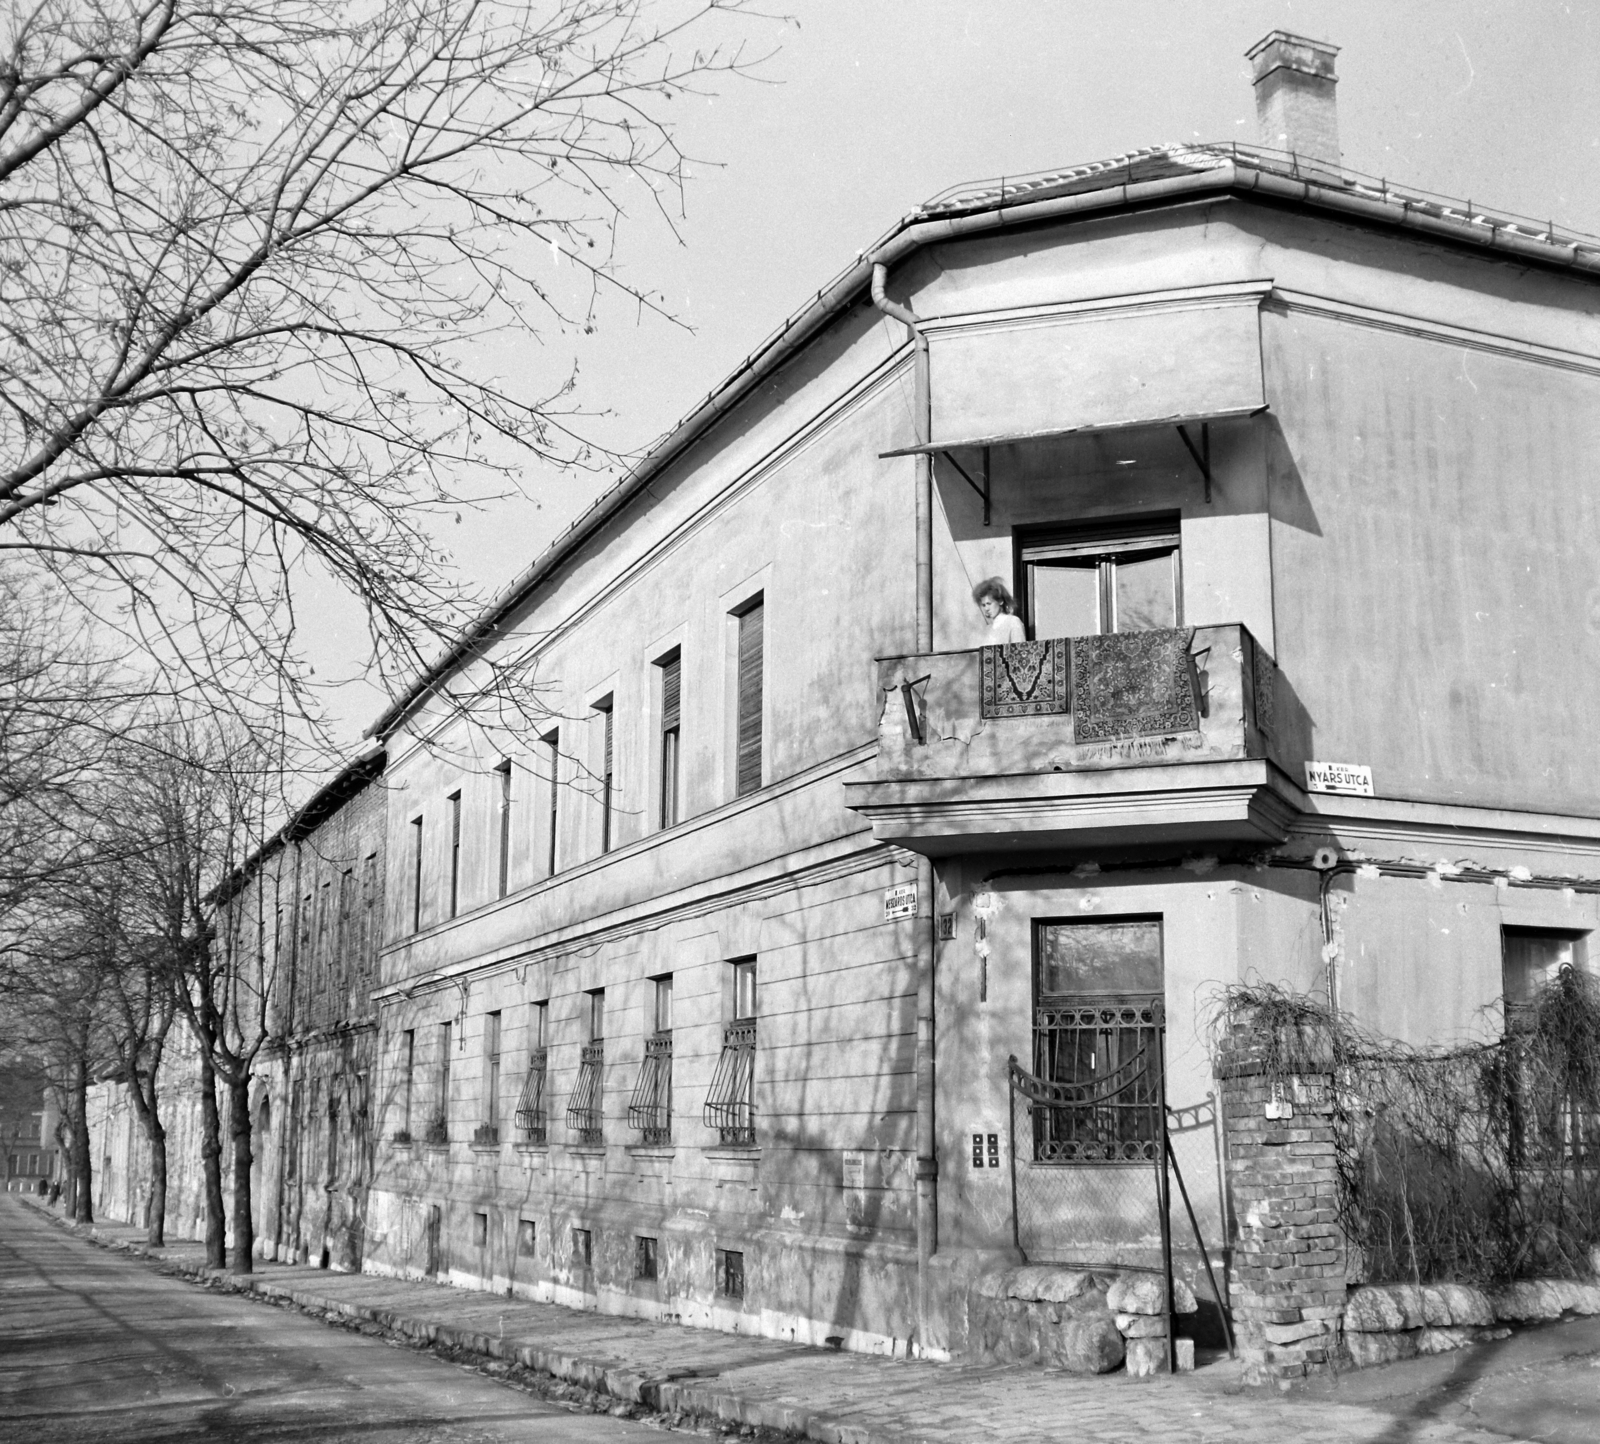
(1550, 1123)
(650, 1108)
(671, 690)
(585, 1110)
(552, 746)
(503, 771)
(531, 1117)
(1106, 578)
(730, 1105)
(408, 1064)
(747, 751)
(607, 758)
(1098, 1033)
(455, 853)
(491, 1075)
(439, 1126)
(416, 874)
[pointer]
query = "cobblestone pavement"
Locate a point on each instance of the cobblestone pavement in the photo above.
(1524, 1389)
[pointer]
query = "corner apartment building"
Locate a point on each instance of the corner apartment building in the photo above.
(702, 989)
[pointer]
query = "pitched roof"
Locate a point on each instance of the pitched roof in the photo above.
(1141, 177)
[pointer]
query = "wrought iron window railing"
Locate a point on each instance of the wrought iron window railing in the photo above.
(650, 1108)
(530, 1111)
(1096, 1084)
(584, 1108)
(730, 1105)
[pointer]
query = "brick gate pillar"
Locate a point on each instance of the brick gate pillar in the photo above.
(1288, 1279)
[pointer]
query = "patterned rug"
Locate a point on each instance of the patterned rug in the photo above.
(1133, 684)
(1026, 679)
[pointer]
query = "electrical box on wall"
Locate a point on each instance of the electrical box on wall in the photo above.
(985, 1150)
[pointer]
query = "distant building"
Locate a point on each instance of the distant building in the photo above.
(28, 1118)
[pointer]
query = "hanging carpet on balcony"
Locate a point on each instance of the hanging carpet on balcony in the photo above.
(1133, 684)
(1025, 679)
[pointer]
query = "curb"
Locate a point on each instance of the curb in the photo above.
(669, 1394)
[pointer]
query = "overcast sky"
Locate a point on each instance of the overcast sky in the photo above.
(870, 106)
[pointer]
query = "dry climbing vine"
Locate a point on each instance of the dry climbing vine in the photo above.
(1479, 1163)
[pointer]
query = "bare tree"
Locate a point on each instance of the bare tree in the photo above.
(250, 251)
(204, 798)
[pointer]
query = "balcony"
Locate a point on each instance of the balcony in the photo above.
(1136, 739)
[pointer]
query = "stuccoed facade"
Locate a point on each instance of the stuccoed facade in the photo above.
(1391, 565)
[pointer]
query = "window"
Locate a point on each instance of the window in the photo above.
(730, 1105)
(585, 1109)
(480, 1229)
(671, 693)
(582, 1247)
(1530, 959)
(646, 1258)
(503, 771)
(455, 853)
(527, 1237)
(343, 933)
(650, 1108)
(530, 1116)
(730, 1273)
(1117, 578)
(1097, 1039)
(408, 1059)
(491, 1077)
(416, 874)
(333, 1136)
(1548, 1123)
(439, 1124)
(607, 758)
(747, 747)
(552, 746)
(371, 893)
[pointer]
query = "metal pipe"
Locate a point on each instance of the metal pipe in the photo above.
(927, 1175)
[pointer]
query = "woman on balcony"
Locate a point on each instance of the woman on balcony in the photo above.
(999, 611)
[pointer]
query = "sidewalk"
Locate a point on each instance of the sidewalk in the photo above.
(817, 1394)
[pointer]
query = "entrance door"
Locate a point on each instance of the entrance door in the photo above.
(1098, 1036)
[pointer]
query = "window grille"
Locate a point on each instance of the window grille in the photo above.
(583, 1112)
(530, 1102)
(1099, 1062)
(650, 1108)
(730, 1105)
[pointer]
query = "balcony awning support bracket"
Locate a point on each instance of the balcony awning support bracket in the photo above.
(982, 491)
(1202, 454)
(908, 695)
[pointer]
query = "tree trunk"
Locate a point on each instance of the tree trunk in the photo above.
(211, 1163)
(243, 1221)
(156, 1231)
(82, 1204)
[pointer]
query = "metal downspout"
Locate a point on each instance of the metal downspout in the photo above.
(927, 1176)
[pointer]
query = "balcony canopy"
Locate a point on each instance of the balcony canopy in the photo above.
(1168, 358)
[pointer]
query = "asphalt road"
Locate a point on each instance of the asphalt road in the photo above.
(95, 1346)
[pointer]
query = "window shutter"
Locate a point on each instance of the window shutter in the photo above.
(671, 673)
(751, 650)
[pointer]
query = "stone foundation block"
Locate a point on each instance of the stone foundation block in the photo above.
(1142, 1326)
(1149, 1356)
(1147, 1294)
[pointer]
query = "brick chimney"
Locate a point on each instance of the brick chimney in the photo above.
(1294, 83)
